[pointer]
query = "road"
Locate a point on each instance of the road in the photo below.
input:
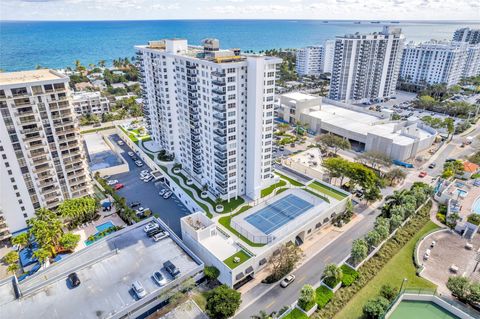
(273, 297)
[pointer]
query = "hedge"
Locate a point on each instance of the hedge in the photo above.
(349, 275)
(323, 296)
(372, 266)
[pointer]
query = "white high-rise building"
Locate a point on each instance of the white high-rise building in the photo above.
(86, 103)
(212, 109)
(328, 55)
(42, 156)
(471, 36)
(437, 62)
(366, 66)
(309, 60)
(472, 65)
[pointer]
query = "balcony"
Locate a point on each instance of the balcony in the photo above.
(221, 170)
(31, 111)
(47, 183)
(222, 191)
(218, 83)
(220, 155)
(218, 91)
(220, 140)
(195, 138)
(218, 74)
(32, 137)
(197, 170)
(220, 148)
(219, 108)
(31, 130)
(196, 152)
(220, 125)
(194, 117)
(220, 132)
(42, 168)
(194, 111)
(32, 119)
(34, 146)
(220, 116)
(218, 100)
(220, 183)
(192, 89)
(221, 163)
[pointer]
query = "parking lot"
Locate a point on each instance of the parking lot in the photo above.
(169, 210)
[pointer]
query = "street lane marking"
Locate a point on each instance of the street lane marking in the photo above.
(270, 304)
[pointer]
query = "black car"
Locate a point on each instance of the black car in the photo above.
(134, 204)
(73, 279)
(171, 268)
(432, 165)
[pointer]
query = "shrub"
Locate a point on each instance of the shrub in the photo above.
(376, 307)
(349, 275)
(441, 218)
(474, 219)
(222, 302)
(359, 250)
(323, 296)
(211, 272)
(307, 297)
(388, 292)
(459, 286)
(11, 257)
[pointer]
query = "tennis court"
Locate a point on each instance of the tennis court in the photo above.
(277, 214)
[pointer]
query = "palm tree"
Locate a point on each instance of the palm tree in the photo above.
(13, 268)
(101, 63)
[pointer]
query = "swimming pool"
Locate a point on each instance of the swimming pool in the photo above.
(104, 226)
(476, 206)
(420, 310)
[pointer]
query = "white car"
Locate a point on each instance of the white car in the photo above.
(158, 278)
(159, 236)
(148, 178)
(112, 182)
(139, 290)
(287, 281)
(130, 154)
(145, 172)
(167, 195)
(139, 163)
(120, 143)
(150, 226)
(162, 192)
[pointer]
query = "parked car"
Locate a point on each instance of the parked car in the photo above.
(134, 204)
(131, 154)
(150, 226)
(139, 163)
(138, 289)
(134, 158)
(148, 178)
(281, 148)
(145, 172)
(160, 236)
(154, 232)
(158, 278)
(162, 191)
(120, 142)
(141, 209)
(112, 182)
(167, 195)
(74, 280)
(171, 268)
(422, 174)
(432, 165)
(105, 177)
(97, 125)
(118, 186)
(287, 281)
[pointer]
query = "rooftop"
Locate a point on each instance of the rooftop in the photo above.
(187, 310)
(106, 270)
(299, 96)
(23, 77)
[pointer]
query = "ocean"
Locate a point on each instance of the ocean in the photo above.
(54, 44)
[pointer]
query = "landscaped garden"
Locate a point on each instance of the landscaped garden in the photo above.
(267, 191)
(290, 180)
(322, 188)
(242, 257)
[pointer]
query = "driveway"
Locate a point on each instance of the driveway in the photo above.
(169, 210)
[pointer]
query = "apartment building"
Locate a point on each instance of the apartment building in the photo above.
(328, 55)
(366, 66)
(42, 156)
(471, 36)
(472, 64)
(212, 109)
(86, 103)
(436, 62)
(309, 60)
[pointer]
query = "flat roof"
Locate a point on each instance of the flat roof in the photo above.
(23, 77)
(300, 96)
(362, 123)
(99, 152)
(106, 270)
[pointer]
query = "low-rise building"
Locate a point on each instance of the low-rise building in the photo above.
(106, 270)
(86, 103)
(365, 129)
(292, 216)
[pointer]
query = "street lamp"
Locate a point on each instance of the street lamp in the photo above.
(403, 282)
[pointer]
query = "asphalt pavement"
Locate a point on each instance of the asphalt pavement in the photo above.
(169, 210)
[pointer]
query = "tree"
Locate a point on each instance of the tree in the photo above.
(333, 141)
(21, 240)
(374, 159)
(13, 268)
(307, 297)
(284, 261)
(426, 102)
(474, 296)
(332, 274)
(452, 220)
(359, 250)
(211, 272)
(283, 127)
(395, 174)
(459, 286)
(450, 125)
(222, 302)
(262, 315)
(395, 222)
(337, 167)
(382, 226)
(373, 238)
(69, 241)
(46, 228)
(11, 258)
(78, 210)
(452, 168)
(42, 255)
(376, 307)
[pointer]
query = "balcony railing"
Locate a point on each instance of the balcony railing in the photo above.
(218, 100)
(220, 140)
(218, 91)
(220, 116)
(218, 83)
(219, 108)
(220, 155)
(219, 132)
(218, 74)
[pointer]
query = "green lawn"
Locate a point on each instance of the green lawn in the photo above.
(225, 222)
(327, 190)
(267, 191)
(316, 194)
(399, 267)
(296, 314)
(240, 254)
(291, 180)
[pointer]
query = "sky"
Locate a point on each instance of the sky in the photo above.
(239, 9)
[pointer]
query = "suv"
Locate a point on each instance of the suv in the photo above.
(432, 165)
(74, 280)
(158, 278)
(150, 226)
(138, 289)
(171, 268)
